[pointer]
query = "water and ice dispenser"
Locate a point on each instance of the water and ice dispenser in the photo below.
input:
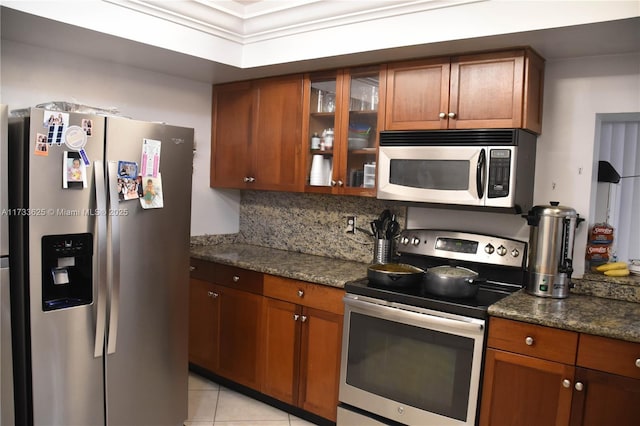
(67, 270)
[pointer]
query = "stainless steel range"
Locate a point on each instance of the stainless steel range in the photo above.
(413, 357)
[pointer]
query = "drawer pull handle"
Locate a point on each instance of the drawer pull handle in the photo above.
(529, 341)
(638, 362)
(566, 383)
(235, 278)
(579, 386)
(300, 293)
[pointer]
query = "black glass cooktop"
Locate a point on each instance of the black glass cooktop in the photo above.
(475, 307)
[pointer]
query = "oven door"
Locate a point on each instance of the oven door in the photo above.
(411, 365)
(432, 174)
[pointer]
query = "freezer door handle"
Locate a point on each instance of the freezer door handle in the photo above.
(101, 258)
(114, 276)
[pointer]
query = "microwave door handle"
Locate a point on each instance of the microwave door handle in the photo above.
(480, 174)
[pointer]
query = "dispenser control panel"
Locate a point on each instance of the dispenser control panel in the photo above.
(67, 270)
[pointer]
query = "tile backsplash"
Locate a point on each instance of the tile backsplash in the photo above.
(308, 223)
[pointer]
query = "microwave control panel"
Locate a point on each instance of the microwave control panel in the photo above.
(499, 173)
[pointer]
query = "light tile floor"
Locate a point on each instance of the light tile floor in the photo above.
(213, 405)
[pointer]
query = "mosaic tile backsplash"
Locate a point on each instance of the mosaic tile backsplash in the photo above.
(308, 223)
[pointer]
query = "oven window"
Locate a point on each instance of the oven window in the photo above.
(423, 368)
(446, 175)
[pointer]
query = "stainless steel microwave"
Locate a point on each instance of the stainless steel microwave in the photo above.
(482, 168)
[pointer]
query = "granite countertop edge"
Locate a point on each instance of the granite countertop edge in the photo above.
(617, 319)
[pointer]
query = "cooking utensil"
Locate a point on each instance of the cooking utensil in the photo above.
(452, 281)
(395, 275)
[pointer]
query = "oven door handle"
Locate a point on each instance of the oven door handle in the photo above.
(397, 314)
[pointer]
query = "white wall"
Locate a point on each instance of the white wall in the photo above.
(575, 90)
(33, 75)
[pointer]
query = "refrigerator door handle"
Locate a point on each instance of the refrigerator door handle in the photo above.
(114, 276)
(101, 297)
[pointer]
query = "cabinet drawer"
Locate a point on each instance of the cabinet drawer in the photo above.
(229, 276)
(303, 293)
(201, 269)
(610, 355)
(533, 340)
(238, 278)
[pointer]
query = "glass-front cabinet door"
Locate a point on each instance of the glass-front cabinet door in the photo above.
(343, 129)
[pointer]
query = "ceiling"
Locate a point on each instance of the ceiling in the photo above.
(231, 32)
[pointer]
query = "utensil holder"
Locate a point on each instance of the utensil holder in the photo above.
(382, 251)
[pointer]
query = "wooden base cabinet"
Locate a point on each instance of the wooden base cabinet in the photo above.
(225, 322)
(203, 324)
(524, 391)
(302, 332)
(538, 375)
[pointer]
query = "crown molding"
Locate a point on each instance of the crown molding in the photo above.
(246, 22)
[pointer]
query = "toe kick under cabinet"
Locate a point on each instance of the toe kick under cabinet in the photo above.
(536, 375)
(278, 336)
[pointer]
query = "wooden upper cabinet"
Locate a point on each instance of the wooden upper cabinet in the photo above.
(278, 130)
(231, 132)
(256, 134)
(488, 90)
(417, 93)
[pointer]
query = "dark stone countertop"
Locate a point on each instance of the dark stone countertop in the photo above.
(601, 316)
(597, 305)
(299, 266)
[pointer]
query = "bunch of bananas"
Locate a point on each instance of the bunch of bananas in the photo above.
(614, 269)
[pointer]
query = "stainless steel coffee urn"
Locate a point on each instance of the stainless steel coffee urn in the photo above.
(551, 241)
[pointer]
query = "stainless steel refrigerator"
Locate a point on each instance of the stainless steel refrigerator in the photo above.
(6, 369)
(99, 269)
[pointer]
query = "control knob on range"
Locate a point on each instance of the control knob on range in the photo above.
(488, 248)
(404, 240)
(515, 253)
(415, 241)
(501, 250)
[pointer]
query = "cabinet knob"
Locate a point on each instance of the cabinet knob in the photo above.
(442, 115)
(252, 179)
(235, 278)
(566, 383)
(452, 115)
(300, 293)
(579, 386)
(249, 179)
(333, 182)
(295, 317)
(638, 362)
(212, 294)
(304, 318)
(192, 268)
(529, 341)
(340, 183)
(246, 179)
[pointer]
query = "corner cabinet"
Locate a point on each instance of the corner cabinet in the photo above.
(256, 132)
(343, 111)
(302, 341)
(487, 90)
(537, 375)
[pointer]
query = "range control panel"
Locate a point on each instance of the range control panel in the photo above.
(464, 246)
